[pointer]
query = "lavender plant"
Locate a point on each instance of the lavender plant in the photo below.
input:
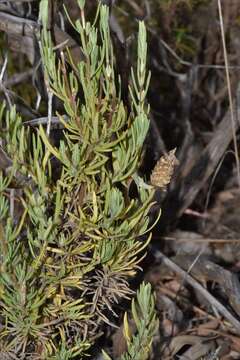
(70, 242)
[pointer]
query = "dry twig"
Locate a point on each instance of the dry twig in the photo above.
(191, 281)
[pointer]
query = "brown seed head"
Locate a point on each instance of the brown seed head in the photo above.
(163, 170)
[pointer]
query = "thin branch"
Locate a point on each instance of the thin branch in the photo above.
(229, 90)
(50, 97)
(4, 67)
(2, 86)
(44, 121)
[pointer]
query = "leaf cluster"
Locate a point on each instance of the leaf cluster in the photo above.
(69, 231)
(144, 316)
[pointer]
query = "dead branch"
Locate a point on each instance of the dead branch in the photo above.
(191, 281)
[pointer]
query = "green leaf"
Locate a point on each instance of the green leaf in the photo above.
(43, 13)
(106, 356)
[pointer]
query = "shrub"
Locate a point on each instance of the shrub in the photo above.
(69, 229)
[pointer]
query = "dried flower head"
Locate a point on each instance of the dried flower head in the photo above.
(163, 170)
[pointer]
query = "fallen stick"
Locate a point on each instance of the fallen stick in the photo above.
(191, 281)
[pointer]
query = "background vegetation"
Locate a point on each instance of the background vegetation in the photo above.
(82, 131)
